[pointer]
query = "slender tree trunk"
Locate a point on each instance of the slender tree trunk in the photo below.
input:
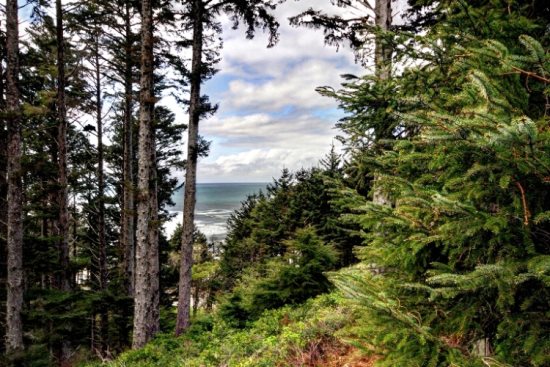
(14, 303)
(3, 197)
(128, 179)
(102, 248)
(146, 300)
(383, 66)
(184, 296)
(100, 176)
(196, 297)
(63, 221)
(153, 241)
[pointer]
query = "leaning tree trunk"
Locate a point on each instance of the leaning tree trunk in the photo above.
(184, 296)
(146, 300)
(14, 304)
(382, 64)
(127, 226)
(62, 197)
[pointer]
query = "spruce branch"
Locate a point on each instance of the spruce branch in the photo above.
(526, 212)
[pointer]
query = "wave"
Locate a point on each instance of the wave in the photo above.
(214, 212)
(212, 226)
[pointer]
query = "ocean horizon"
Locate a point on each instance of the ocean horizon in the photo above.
(216, 201)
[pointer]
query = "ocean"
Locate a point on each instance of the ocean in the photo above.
(215, 203)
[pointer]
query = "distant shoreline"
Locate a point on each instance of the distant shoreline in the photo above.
(216, 201)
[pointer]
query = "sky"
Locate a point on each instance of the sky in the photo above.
(270, 116)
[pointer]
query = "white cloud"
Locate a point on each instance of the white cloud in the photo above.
(296, 44)
(262, 126)
(295, 87)
(258, 164)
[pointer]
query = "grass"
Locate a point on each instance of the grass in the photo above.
(305, 335)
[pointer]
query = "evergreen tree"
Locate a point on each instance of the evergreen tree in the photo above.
(200, 17)
(146, 309)
(63, 281)
(366, 27)
(464, 249)
(13, 116)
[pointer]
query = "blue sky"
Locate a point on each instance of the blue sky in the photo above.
(270, 116)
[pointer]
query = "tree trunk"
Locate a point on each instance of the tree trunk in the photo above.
(14, 304)
(102, 245)
(383, 65)
(63, 221)
(196, 298)
(146, 300)
(127, 227)
(3, 174)
(382, 51)
(3, 202)
(184, 296)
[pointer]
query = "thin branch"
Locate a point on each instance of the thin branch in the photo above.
(526, 212)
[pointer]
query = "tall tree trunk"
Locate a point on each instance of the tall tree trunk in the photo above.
(127, 227)
(63, 221)
(146, 300)
(186, 264)
(3, 173)
(14, 304)
(383, 65)
(102, 246)
(100, 176)
(3, 197)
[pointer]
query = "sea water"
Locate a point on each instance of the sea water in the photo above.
(215, 203)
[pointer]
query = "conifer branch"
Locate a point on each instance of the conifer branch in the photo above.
(531, 74)
(526, 212)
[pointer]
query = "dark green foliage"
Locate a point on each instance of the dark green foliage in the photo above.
(299, 277)
(291, 279)
(460, 246)
(234, 311)
(259, 230)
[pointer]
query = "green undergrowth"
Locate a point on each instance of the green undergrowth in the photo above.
(275, 339)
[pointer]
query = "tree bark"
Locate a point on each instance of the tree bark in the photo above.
(146, 300)
(186, 264)
(14, 303)
(3, 193)
(127, 227)
(63, 220)
(383, 64)
(382, 52)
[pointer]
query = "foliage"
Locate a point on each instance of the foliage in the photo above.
(260, 230)
(273, 340)
(463, 255)
(291, 279)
